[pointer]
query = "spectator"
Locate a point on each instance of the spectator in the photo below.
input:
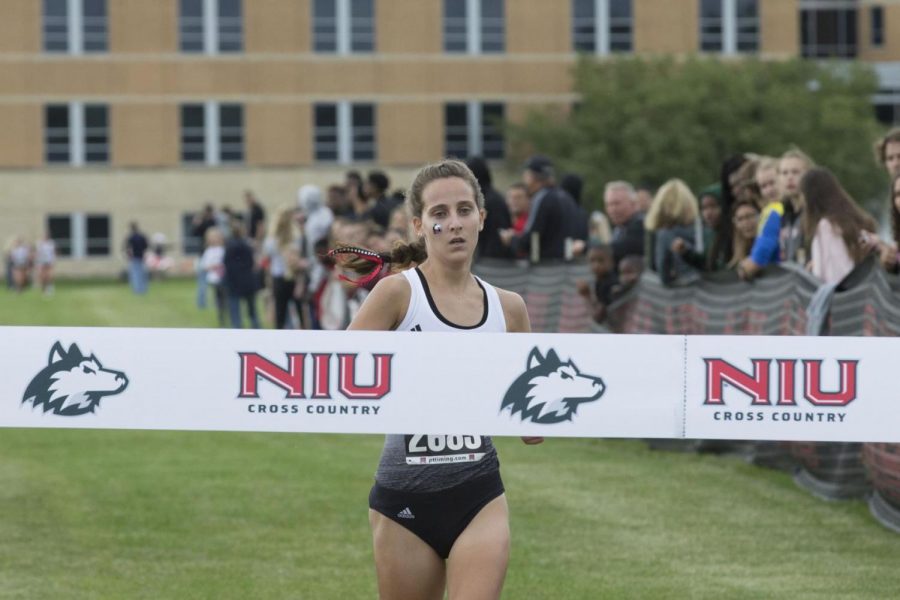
(317, 220)
(256, 218)
(200, 224)
(339, 202)
(376, 187)
(889, 256)
(599, 230)
(791, 168)
(779, 236)
(838, 229)
(547, 218)
(281, 249)
(518, 202)
(767, 180)
(743, 180)
(400, 227)
(240, 277)
(358, 202)
(212, 265)
(45, 259)
(135, 247)
(672, 216)
(157, 262)
(628, 224)
(766, 247)
(21, 258)
(720, 253)
(497, 217)
(630, 269)
(577, 217)
(643, 196)
(7, 262)
(599, 295)
(887, 150)
(700, 255)
(745, 219)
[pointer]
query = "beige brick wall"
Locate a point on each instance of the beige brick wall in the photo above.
(21, 27)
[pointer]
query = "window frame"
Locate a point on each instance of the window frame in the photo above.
(352, 142)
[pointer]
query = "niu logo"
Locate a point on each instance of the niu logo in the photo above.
(756, 384)
(293, 381)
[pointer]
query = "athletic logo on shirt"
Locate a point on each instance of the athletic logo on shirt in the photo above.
(550, 390)
(72, 384)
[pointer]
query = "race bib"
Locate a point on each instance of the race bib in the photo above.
(424, 449)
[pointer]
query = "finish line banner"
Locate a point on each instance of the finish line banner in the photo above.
(453, 385)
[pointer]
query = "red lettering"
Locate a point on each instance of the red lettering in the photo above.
(786, 379)
(719, 372)
(254, 366)
(321, 376)
(812, 389)
(347, 377)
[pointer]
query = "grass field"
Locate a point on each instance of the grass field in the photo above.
(122, 514)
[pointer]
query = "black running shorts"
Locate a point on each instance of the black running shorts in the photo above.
(438, 518)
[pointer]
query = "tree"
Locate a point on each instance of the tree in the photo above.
(646, 120)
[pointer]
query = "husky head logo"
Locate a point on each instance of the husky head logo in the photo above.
(550, 390)
(71, 384)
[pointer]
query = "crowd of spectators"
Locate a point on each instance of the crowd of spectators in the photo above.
(763, 211)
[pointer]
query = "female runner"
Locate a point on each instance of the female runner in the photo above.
(438, 526)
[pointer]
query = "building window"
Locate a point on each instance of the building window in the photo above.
(474, 129)
(474, 26)
(80, 235)
(828, 31)
(876, 25)
(729, 26)
(344, 132)
(97, 242)
(75, 26)
(212, 133)
(210, 26)
(60, 229)
(76, 134)
(887, 106)
(344, 26)
(602, 26)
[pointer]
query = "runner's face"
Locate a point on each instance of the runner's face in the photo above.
(450, 203)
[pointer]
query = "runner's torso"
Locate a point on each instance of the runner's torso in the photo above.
(427, 463)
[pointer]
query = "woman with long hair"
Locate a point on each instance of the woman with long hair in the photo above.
(838, 229)
(282, 250)
(672, 216)
(459, 539)
(745, 220)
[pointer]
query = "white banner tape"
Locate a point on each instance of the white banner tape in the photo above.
(572, 385)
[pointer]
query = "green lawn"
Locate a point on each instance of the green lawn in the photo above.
(121, 514)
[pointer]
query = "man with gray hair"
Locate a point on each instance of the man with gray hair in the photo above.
(620, 200)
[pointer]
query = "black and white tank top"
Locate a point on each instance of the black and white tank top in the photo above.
(426, 463)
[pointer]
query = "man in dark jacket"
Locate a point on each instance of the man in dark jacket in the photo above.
(620, 201)
(547, 218)
(240, 279)
(497, 217)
